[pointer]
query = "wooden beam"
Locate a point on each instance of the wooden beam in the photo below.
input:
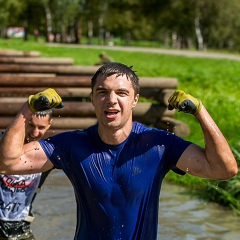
(37, 60)
(86, 109)
(15, 75)
(75, 92)
(51, 132)
(26, 91)
(161, 95)
(14, 80)
(59, 123)
(158, 82)
(63, 70)
(16, 53)
(173, 126)
(44, 81)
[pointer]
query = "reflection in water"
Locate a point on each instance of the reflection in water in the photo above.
(180, 217)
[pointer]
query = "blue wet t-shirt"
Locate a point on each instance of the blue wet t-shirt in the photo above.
(117, 187)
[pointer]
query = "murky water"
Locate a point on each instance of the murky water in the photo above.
(181, 217)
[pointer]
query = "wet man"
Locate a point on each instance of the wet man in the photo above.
(18, 191)
(117, 166)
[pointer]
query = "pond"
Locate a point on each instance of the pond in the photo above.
(181, 217)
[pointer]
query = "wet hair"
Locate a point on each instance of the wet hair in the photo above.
(44, 113)
(120, 69)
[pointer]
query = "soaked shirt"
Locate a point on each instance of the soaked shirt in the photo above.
(117, 187)
(16, 194)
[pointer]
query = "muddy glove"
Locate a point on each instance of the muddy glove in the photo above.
(45, 100)
(184, 103)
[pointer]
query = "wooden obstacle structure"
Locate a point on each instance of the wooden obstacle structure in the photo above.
(23, 74)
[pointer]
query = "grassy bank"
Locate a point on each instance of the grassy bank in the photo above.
(215, 82)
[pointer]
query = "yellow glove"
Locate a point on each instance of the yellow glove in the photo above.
(184, 103)
(45, 100)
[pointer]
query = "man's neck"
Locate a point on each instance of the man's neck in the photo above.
(114, 136)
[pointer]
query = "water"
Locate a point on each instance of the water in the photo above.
(181, 217)
(54, 209)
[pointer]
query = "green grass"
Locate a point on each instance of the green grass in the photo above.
(215, 82)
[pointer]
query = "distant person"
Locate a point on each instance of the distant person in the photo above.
(36, 34)
(117, 166)
(104, 58)
(17, 192)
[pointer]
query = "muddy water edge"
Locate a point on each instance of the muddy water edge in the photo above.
(181, 217)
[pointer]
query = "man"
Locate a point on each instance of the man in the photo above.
(18, 191)
(117, 166)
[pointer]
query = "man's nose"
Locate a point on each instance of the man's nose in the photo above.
(112, 98)
(35, 132)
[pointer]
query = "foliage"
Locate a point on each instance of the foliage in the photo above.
(9, 9)
(171, 23)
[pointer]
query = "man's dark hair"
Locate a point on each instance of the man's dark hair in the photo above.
(120, 69)
(44, 113)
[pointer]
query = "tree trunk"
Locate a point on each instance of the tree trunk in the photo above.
(48, 23)
(199, 34)
(90, 32)
(101, 31)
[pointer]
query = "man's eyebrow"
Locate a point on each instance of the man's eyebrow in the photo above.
(123, 89)
(118, 89)
(101, 88)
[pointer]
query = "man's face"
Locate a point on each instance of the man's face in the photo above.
(113, 99)
(36, 128)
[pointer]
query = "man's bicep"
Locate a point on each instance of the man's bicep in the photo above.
(34, 159)
(193, 161)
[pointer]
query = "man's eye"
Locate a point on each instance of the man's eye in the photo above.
(101, 92)
(122, 93)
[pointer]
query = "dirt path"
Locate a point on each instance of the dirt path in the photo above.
(187, 53)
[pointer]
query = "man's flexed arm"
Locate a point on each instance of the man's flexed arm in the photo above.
(216, 160)
(17, 158)
(12, 142)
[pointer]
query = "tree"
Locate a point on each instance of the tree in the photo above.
(9, 14)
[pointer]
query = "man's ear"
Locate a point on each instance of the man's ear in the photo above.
(90, 96)
(136, 98)
(50, 123)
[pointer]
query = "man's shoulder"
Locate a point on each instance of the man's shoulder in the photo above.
(142, 130)
(139, 127)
